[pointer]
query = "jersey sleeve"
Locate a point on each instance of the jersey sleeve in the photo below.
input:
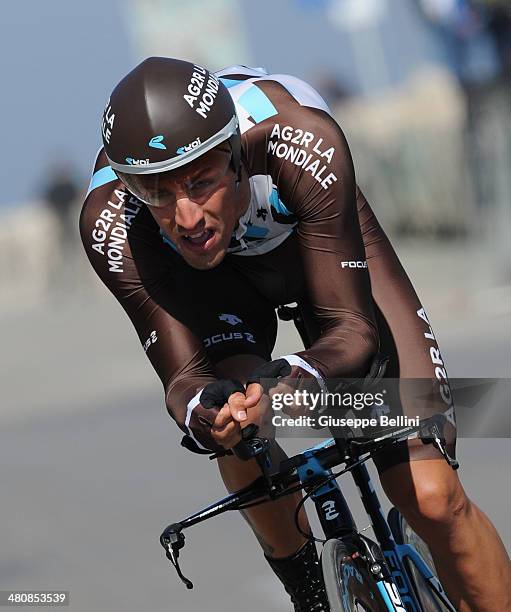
(309, 158)
(124, 246)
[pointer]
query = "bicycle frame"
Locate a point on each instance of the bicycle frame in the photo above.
(392, 579)
(386, 560)
(395, 555)
(401, 553)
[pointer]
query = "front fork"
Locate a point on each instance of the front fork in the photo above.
(337, 522)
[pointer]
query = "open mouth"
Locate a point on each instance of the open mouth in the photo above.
(198, 240)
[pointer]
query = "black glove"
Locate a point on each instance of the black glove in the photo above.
(212, 399)
(273, 370)
(216, 394)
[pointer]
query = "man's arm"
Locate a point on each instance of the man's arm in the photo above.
(322, 194)
(124, 247)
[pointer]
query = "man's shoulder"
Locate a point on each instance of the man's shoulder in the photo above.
(113, 221)
(260, 96)
(290, 137)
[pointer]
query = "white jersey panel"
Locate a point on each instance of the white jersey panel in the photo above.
(301, 91)
(246, 70)
(257, 231)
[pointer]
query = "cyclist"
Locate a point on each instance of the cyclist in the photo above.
(217, 197)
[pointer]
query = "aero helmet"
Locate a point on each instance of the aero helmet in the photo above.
(162, 115)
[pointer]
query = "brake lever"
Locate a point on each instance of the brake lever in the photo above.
(173, 540)
(245, 449)
(431, 429)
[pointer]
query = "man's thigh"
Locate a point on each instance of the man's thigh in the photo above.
(417, 382)
(424, 489)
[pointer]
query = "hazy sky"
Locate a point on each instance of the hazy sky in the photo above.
(307, 43)
(60, 59)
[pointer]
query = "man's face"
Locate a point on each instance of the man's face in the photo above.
(199, 207)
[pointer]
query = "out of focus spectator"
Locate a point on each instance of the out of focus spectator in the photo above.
(60, 194)
(464, 30)
(331, 88)
(477, 33)
(477, 39)
(499, 24)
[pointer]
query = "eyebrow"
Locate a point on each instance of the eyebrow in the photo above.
(193, 178)
(203, 171)
(194, 175)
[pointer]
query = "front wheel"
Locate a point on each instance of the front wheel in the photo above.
(349, 585)
(404, 534)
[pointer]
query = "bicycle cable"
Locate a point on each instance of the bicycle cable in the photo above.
(307, 496)
(332, 476)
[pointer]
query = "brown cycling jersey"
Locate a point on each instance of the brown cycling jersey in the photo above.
(308, 236)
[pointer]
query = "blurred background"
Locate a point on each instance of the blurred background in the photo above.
(90, 464)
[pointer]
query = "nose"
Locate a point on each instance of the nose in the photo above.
(189, 215)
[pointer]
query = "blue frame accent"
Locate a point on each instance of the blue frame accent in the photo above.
(319, 446)
(401, 551)
(405, 550)
(409, 596)
(317, 469)
(385, 596)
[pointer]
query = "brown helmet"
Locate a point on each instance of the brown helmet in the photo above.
(164, 114)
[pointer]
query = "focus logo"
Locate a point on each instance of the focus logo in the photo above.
(230, 337)
(353, 264)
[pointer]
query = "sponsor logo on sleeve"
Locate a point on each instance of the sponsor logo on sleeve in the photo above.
(111, 228)
(303, 149)
(440, 370)
(354, 264)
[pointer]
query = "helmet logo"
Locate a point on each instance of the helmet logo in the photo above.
(108, 123)
(189, 147)
(196, 89)
(137, 162)
(156, 142)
